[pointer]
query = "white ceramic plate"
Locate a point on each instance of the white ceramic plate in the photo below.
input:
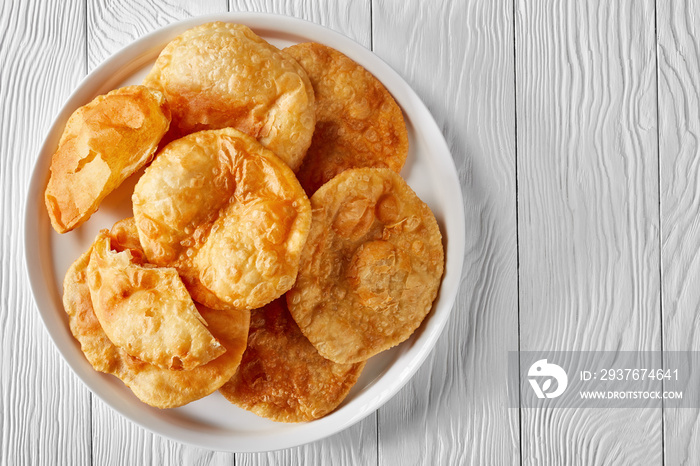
(213, 422)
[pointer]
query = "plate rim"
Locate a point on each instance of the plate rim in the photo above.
(404, 94)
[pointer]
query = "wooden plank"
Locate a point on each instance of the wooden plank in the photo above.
(351, 19)
(588, 211)
(44, 408)
(678, 51)
(455, 410)
(111, 26)
(356, 445)
(114, 25)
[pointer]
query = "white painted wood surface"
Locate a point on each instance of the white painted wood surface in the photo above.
(45, 409)
(679, 177)
(588, 211)
(574, 127)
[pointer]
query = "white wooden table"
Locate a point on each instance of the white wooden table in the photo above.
(575, 128)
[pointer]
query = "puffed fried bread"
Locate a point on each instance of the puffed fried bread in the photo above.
(358, 122)
(219, 75)
(229, 277)
(371, 267)
(228, 214)
(155, 386)
(147, 310)
(103, 143)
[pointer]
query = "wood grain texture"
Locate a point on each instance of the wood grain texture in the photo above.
(44, 408)
(114, 25)
(356, 445)
(679, 173)
(455, 410)
(351, 19)
(588, 211)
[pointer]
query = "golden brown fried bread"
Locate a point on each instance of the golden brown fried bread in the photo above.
(371, 267)
(358, 123)
(124, 235)
(228, 214)
(104, 142)
(158, 387)
(220, 74)
(147, 311)
(282, 377)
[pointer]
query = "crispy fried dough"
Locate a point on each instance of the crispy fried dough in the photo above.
(228, 214)
(219, 75)
(358, 123)
(371, 267)
(147, 311)
(124, 236)
(104, 142)
(158, 387)
(282, 377)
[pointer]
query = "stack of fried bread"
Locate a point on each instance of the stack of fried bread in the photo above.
(229, 276)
